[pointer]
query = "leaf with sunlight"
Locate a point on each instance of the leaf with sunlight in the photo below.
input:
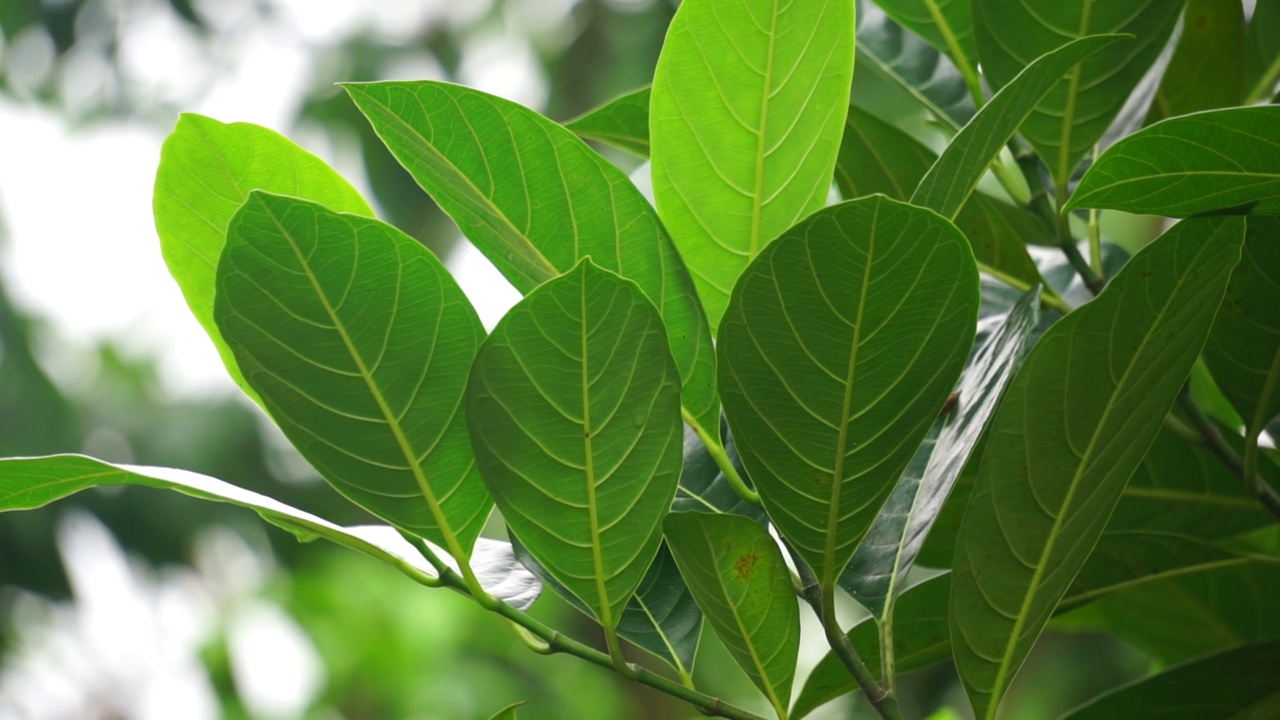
(623, 122)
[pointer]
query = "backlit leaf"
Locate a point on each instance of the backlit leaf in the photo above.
(623, 122)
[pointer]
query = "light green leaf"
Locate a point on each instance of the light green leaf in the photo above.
(1207, 69)
(207, 169)
(359, 342)
(740, 580)
(951, 180)
(623, 122)
(536, 200)
(508, 712)
(574, 412)
(857, 320)
(1077, 112)
(945, 24)
(1262, 54)
(748, 100)
(1072, 428)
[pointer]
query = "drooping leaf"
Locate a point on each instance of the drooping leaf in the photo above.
(207, 169)
(1076, 113)
(888, 551)
(945, 24)
(951, 180)
(703, 485)
(857, 320)
(1262, 53)
(1219, 161)
(574, 413)
(623, 122)
(1073, 426)
(738, 576)
(1224, 685)
(536, 200)
(748, 99)
(29, 483)
(1207, 69)
(359, 342)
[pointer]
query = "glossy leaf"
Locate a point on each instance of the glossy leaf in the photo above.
(623, 122)
(207, 169)
(704, 487)
(882, 561)
(1073, 426)
(1207, 69)
(359, 342)
(1262, 53)
(536, 200)
(29, 483)
(951, 179)
(738, 576)
(574, 412)
(841, 329)
(1220, 161)
(945, 24)
(748, 99)
(1076, 113)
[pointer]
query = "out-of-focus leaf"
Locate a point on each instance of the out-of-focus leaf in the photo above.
(945, 24)
(1219, 161)
(623, 122)
(1068, 435)
(573, 409)
(842, 328)
(359, 343)
(1207, 69)
(508, 712)
(738, 576)
(1262, 53)
(745, 114)
(703, 486)
(207, 169)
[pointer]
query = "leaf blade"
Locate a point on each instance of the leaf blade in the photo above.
(623, 122)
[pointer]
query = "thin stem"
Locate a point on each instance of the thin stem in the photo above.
(1095, 244)
(1048, 299)
(888, 660)
(1212, 439)
(716, 450)
(1067, 243)
(1261, 90)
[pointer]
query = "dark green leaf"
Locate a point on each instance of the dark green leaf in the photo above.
(1073, 426)
(1262, 54)
(623, 122)
(1220, 161)
(945, 24)
(1207, 69)
(740, 580)
(748, 100)
(359, 342)
(704, 487)
(573, 408)
(844, 327)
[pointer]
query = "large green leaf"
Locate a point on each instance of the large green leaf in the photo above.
(574, 411)
(1219, 161)
(536, 200)
(738, 576)
(1072, 428)
(1076, 113)
(951, 180)
(207, 169)
(623, 122)
(359, 342)
(945, 24)
(29, 483)
(748, 99)
(1262, 55)
(1219, 686)
(1207, 69)
(856, 321)
(882, 561)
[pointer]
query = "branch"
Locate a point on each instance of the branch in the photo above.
(1211, 438)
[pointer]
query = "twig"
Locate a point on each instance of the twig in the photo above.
(1211, 438)
(717, 452)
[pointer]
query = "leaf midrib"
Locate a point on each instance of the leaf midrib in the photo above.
(757, 202)
(597, 554)
(1069, 113)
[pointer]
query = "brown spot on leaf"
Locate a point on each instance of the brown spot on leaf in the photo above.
(745, 565)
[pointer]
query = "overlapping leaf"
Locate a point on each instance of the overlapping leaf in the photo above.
(623, 122)
(574, 412)
(745, 114)
(1262, 54)
(841, 343)
(1207, 69)
(1072, 428)
(703, 485)
(945, 24)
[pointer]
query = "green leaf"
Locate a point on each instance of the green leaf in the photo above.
(623, 122)
(1072, 428)
(1207, 69)
(703, 485)
(1218, 686)
(945, 24)
(536, 200)
(886, 555)
(207, 169)
(1262, 53)
(748, 100)
(844, 327)
(738, 576)
(1077, 112)
(359, 342)
(951, 180)
(29, 483)
(574, 412)
(508, 712)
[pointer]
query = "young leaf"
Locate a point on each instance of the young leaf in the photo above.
(1075, 114)
(623, 122)
(748, 99)
(945, 24)
(574, 411)
(951, 180)
(740, 580)
(882, 561)
(359, 342)
(1072, 428)
(207, 169)
(703, 485)
(1207, 69)
(1220, 161)
(536, 200)
(857, 320)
